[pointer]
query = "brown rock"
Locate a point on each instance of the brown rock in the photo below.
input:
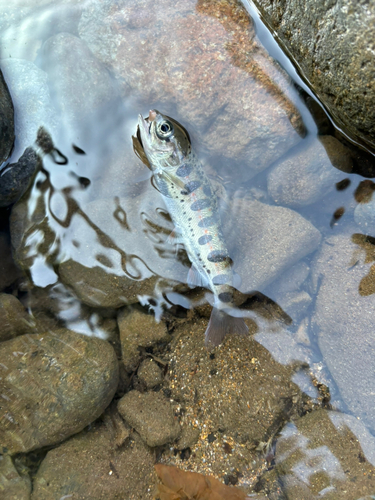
(125, 472)
(265, 240)
(53, 385)
(149, 373)
(331, 45)
(138, 330)
(14, 320)
(13, 485)
(151, 415)
(326, 452)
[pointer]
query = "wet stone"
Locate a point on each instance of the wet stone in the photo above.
(328, 454)
(68, 470)
(175, 62)
(32, 102)
(342, 274)
(54, 384)
(151, 415)
(17, 176)
(138, 330)
(6, 120)
(273, 239)
(14, 319)
(307, 175)
(80, 84)
(189, 437)
(13, 485)
(8, 271)
(149, 373)
(332, 55)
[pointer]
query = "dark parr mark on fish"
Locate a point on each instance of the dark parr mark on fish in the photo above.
(225, 297)
(217, 256)
(221, 279)
(184, 170)
(205, 239)
(200, 204)
(190, 187)
(207, 190)
(207, 221)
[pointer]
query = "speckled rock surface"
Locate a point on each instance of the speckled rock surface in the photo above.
(13, 486)
(14, 319)
(343, 320)
(304, 177)
(332, 44)
(322, 455)
(149, 373)
(266, 240)
(119, 472)
(200, 63)
(151, 415)
(138, 330)
(16, 177)
(55, 384)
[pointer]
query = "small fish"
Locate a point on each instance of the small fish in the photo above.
(165, 147)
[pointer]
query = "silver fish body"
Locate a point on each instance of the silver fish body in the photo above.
(164, 145)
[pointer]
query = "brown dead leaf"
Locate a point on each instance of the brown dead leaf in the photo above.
(181, 485)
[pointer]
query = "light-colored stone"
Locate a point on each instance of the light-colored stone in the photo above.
(343, 274)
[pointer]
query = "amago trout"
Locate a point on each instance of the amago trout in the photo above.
(165, 147)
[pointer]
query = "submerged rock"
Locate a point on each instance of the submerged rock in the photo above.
(344, 317)
(149, 373)
(13, 486)
(28, 85)
(266, 240)
(151, 415)
(53, 385)
(138, 330)
(6, 120)
(16, 177)
(200, 63)
(119, 472)
(80, 84)
(325, 454)
(308, 174)
(332, 45)
(8, 271)
(14, 320)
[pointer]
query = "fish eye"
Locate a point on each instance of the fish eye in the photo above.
(164, 129)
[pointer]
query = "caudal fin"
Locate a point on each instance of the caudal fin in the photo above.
(221, 324)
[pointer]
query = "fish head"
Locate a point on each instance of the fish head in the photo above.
(161, 142)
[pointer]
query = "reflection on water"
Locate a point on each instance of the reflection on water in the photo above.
(277, 412)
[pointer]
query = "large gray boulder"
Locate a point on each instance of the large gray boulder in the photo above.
(333, 44)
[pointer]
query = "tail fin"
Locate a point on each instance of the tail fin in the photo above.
(221, 324)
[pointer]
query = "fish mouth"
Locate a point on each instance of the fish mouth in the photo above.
(144, 125)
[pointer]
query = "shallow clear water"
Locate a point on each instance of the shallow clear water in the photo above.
(90, 236)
